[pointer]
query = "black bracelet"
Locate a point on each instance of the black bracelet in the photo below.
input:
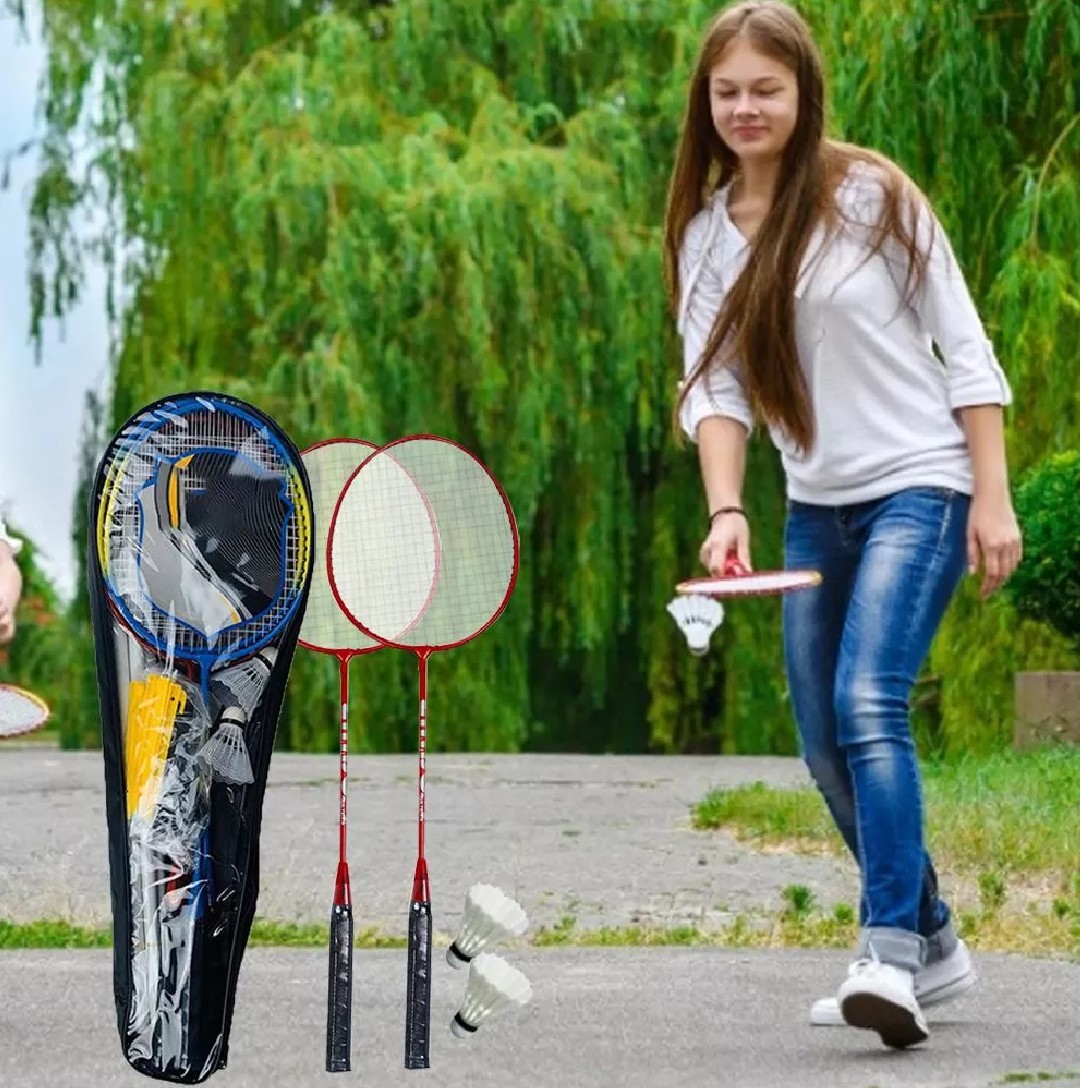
(727, 510)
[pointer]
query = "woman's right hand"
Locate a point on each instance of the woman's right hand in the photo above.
(729, 533)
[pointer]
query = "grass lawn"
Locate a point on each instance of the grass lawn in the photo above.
(1004, 833)
(51, 933)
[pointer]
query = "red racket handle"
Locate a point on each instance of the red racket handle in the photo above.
(732, 567)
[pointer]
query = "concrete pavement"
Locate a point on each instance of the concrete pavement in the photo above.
(605, 840)
(600, 1018)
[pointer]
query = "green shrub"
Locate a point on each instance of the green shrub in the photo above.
(1046, 585)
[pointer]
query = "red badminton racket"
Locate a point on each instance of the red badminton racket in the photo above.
(423, 556)
(326, 629)
(737, 581)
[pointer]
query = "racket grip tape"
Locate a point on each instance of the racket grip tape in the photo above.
(418, 989)
(339, 995)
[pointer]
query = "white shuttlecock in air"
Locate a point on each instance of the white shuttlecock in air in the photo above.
(490, 916)
(697, 617)
(494, 987)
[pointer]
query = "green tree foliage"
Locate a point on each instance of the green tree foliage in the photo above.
(80, 725)
(443, 215)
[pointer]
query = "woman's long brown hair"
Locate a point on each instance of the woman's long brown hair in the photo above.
(756, 324)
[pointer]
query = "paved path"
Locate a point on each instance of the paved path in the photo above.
(611, 1018)
(607, 840)
(604, 839)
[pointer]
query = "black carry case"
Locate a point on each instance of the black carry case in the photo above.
(184, 876)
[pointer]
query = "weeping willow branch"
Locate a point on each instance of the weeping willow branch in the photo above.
(444, 215)
(1047, 162)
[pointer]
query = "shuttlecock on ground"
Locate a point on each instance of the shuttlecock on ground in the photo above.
(490, 916)
(494, 987)
(225, 753)
(697, 617)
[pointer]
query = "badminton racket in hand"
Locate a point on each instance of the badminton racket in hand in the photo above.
(21, 711)
(326, 629)
(737, 581)
(422, 555)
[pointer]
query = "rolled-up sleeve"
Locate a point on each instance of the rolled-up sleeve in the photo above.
(718, 392)
(949, 316)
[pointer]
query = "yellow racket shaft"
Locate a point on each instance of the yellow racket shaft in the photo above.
(153, 705)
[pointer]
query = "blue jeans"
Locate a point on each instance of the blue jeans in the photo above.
(853, 647)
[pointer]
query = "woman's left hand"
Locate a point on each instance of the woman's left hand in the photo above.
(993, 537)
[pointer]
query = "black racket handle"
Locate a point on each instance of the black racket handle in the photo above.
(418, 990)
(339, 996)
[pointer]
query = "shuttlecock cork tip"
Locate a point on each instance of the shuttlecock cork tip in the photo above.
(460, 1027)
(456, 958)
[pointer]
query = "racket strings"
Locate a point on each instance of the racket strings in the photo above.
(385, 549)
(20, 711)
(204, 532)
(424, 545)
(237, 523)
(477, 547)
(329, 466)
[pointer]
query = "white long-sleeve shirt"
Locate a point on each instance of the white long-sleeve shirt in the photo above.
(884, 406)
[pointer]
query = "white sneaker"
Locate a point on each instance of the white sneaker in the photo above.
(880, 997)
(934, 984)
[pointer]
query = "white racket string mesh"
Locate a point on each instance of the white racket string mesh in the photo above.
(423, 548)
(20, 712)
(205, 530)
(330, 467)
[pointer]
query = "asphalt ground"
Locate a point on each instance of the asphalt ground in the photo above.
(604, 840)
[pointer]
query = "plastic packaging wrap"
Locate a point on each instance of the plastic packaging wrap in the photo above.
(200, 557)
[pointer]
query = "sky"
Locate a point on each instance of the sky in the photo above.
(41, 405)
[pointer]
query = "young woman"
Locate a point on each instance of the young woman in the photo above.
(811, 280)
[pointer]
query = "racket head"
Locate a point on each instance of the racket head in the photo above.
(21, 711)
(203, 527)
(423, 547)
(330, 465)
(737, 581)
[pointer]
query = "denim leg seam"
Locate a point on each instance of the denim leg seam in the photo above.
(933, 569)
(943, 938)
